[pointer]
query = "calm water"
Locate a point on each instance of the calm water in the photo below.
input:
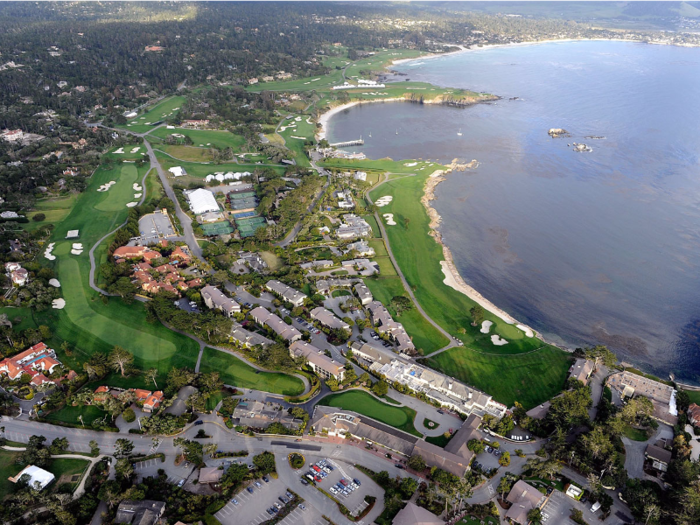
(599, 247)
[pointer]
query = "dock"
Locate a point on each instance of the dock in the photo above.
(357, 142)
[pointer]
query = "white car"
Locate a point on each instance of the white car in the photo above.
(333, 491)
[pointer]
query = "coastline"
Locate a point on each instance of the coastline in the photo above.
(453, 279)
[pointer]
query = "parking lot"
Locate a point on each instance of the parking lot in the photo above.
(150, 467)
(154, 227)
(338, 480)
(251, 507)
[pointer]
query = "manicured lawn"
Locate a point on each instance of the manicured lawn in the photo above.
(301, 129)
(429, 423)
(379, 248)
(55, 210)
(214, 399)
(530, 378)
(237, 373)
(8, 468)
(366, 404)
(68, 467)
(373, 223)
(70, 414)
(694, 396)
(199, 171)
(386, 267)
(188, 153)
(440, 441)
(204, 137)
(161, 111)
(127, 154)
(340, 293)
(635, 434)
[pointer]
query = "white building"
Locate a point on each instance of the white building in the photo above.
(361, 175)
(38, 477)
(12, 135)
(201, 201)
(178, 171)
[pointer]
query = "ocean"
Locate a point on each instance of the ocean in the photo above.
(598, 247)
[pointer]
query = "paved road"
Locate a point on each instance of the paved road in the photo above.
(408, 289)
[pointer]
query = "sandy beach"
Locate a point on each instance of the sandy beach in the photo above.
(325, 117)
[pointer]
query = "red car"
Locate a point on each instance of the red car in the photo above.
(345, 483)
(317, 479)
(315, 468)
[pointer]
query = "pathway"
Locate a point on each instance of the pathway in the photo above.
(406, 286)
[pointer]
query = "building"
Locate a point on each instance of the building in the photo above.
(135, 252)
(523, 498)
(362, 248)
(9, 215)
(216, 300)
(152, 401)
(694, 415)
(201, 201)
(38, 477)
(178, 171)
(353, 227)
(383, 322)
(259, 415)
(327, 319)
(12, 135)
(263, 317)
(321, 263)
(322, 365)
(467, 432)
(435, 456)
(360, 175)
(196, 123)
(662, 396)
(581, 370)
(37, 361)
(246, 338)
(368, 355)
(252, 81)
(210, 475)
(144, 512)
(16, 273)
(412, 514)
(363, 294)
(658, 455)
(252, 261)
(286, 293)
(345, 199)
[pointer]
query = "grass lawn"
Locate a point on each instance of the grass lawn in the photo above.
(236, 372)
(161, 111)
(273, 262)
(8, 468)
(187, 153)
(386, 267)
(373, 223)
(214, 399)
(429, 423)
(296, 145)
(204, 137)
(694, 396)
(55, 210)
(340, 293)
(366, 404)
(199, 171)
(70, 414)
(533, 378)
(379, 247)
(440, 441)
(127, 154)
(68, 467)
(635, 434)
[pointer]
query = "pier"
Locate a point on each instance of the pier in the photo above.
(357, 142)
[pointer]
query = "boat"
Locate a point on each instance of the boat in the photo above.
(397, 131)
(370, 134)
(459, 133)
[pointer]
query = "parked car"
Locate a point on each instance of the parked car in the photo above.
(317, 479)
(181, 483)
(301, 506)
(289, 495)
(304, 482)
(270, 511)
(234, 501)
(258, 484)
(265, 479)
(198, 422)
(343, 482)
(250, 489)
(357, 482)
(399, 465)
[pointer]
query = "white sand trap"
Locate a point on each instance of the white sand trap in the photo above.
(295, 137)
(389, 218)
(48, 250)
(298, 119)
(527, 330)
(485, 327)
(411, 164)
(135, 149)
(201, 144)
(54, 283)
(50, 257)
(77, 245)
(383, 201)
(58, 304)
(131, 204)
(137, 195)
(208, 143)
(496, 339)
(120, 150)
(76, 252)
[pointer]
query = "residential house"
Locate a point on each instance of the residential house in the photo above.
(661, 395)
(412, 514)
(327, 319)
(362, 248)
(263, 317)
(353, 227)
(246, 338)
(523, 498)
(144, 512)
(37, 361)
(435, 456)
(216, 300)
(259, 415)
(385, 324)
(16, 273)
(182, 254)
(196, 123)
(286, 293)
(135, 252)
(368, 355)
(582, 370)
(322, 365)
(12, 135)
(252, 260)
(152, 401)
(694, 415)
(363, 294)
(658, 455)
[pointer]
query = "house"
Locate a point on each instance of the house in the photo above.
(362, 248)
(35, 362)
(523, 498)
(321, 263)
(152, 49)
(135, 252)
(250, 260)
(694, 415)
(210, 475)
(9, 215)
(38, 477)
(658, 455)
(286, 293)
(265, 318)
(259, 415)
(363, 267)
(412, 514)
(182, 254)
(152, 401)
(201, 201)
(144, 512)
(267, 78)
(353, 227)
(17, 274)
(435, 456)
(12, 135)
(581, 370)
(196, 123)
(385, 324)
(467, 432)
(363, 294)
(246, 338)
(216, 300)
(322, 365)
(327, 319)
(368, 355)
(178, 171)
(360, 175)
(252, 81)
(661, 395)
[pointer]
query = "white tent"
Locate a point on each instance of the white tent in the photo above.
(38, 477)
(177, 171)
(202, 201)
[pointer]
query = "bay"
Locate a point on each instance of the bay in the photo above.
(586, 247)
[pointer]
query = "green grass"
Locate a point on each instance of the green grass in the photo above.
(531, 378)
(296, 145)
(195, 171)
(236, 372)
(427, 424)
(386, 267)
(379, 248)
(127, 155)
(205, 137)
(214, 399)
(439, 441)
(694, 396)
(366, 404)
(8, 468)
(70, 414)
(635, 434)
(187, 153)
(340, 293)
(376, 232)
(68, 467)
(161, 111)
(55, 210)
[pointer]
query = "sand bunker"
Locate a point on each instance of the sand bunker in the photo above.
(106, 187)
(411, 164)
(527, 330)
(131, 204)
(77, 245)
(389, 218)
(58, 304)
(136, 186)
(76, 252)
(120, 150)
(54, 283)
(134, 150)
(137, 195)
(383, 201)
(48, 250)
(496, 339)
(485, 327)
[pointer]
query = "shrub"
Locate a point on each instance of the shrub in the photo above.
(129, 415)
(39, 217)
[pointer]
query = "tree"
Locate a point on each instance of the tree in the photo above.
(94, 448)
(380, 388)
(535, 515)
(477, 313)
(123, 447)
(151, 375)
(265, 462)
(120, 359)
(407, 487)
(476, 445)
(124, 469)
(504, 459)
(58, 446)
(129, 415)
(210, 448)
(506, 483)
(544, 469)
(417, 463)
(401, 304)
(597, 443)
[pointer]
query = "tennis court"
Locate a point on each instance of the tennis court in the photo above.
(217, 228)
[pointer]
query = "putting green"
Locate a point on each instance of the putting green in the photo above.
(120, 193)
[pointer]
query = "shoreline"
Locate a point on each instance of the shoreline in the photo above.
(453, 278)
